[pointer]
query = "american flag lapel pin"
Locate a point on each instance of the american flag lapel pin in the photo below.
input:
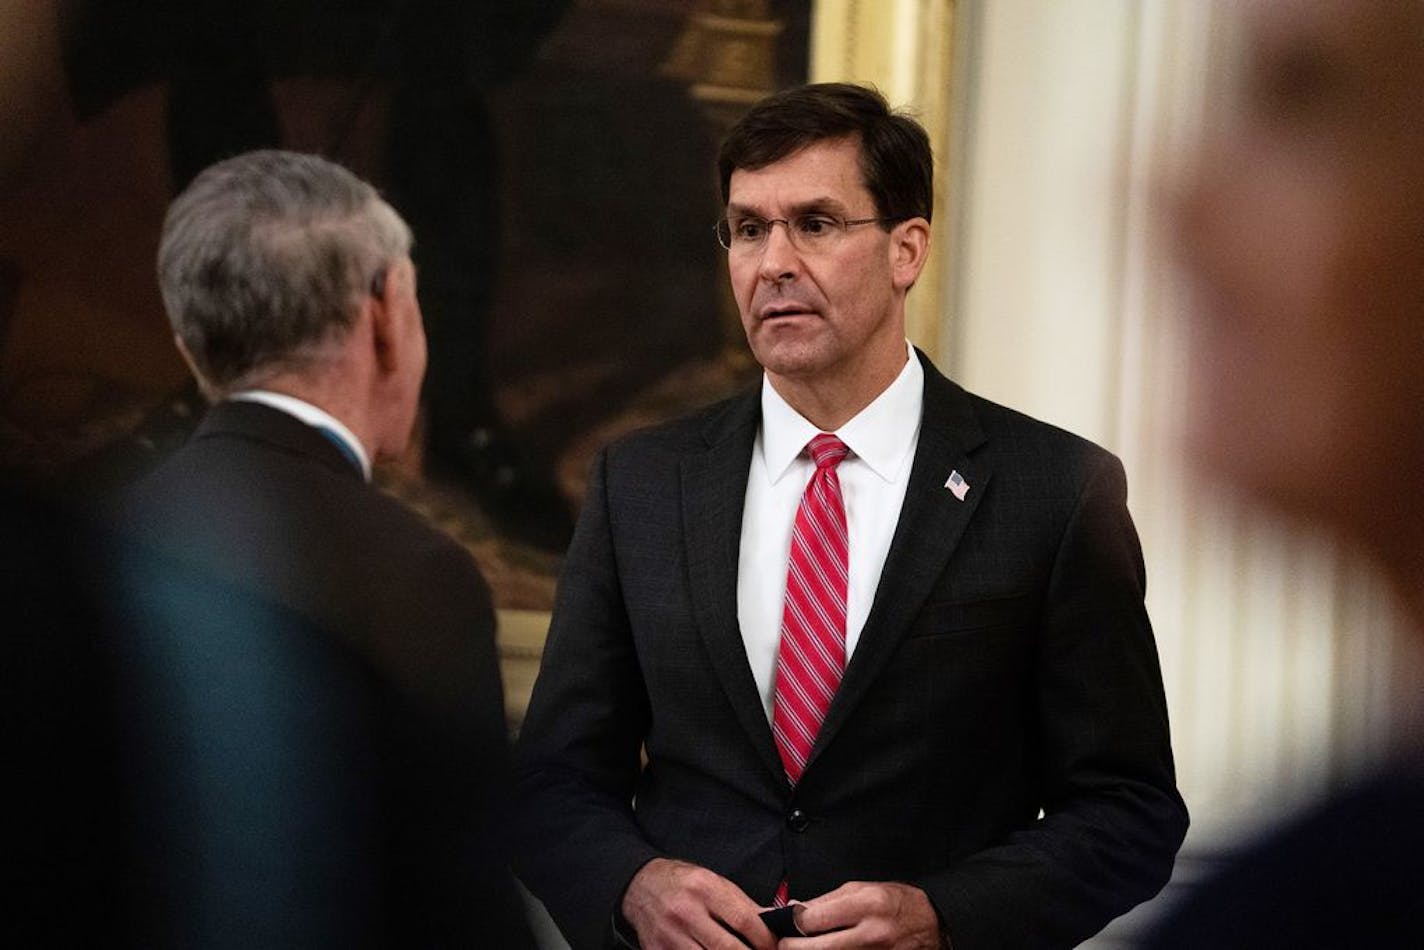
(957, 486)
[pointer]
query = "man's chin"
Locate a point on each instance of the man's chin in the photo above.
(788, 358)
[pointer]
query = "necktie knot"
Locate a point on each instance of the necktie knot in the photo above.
(827, 451)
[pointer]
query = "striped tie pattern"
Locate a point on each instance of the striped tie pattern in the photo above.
(811, 655)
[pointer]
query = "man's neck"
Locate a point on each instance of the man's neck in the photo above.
(829, 403)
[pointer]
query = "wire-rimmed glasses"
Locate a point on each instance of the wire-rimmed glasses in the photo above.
(810, 233)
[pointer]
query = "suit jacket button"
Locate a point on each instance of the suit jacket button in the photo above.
(798, 820)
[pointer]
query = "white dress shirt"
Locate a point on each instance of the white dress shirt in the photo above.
(882, 439)
(314, 416)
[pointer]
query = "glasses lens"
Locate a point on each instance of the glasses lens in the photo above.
(807, 232)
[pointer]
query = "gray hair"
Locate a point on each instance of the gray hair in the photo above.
(267, 256)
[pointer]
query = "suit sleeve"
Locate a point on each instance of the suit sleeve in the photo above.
(578, 755)
(460, 811)
(1112, 817)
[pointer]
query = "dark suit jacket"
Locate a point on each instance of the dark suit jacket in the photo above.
(313, 697)
(1349, 872)
(1007, 666)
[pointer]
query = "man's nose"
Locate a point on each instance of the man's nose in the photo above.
(779, 257)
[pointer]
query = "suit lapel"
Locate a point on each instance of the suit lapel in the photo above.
(931, 523)
(714, 484)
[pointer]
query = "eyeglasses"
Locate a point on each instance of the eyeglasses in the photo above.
(808, 233)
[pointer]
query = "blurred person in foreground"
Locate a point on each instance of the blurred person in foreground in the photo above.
(856, 642)
(310, 679)
(1302, 231)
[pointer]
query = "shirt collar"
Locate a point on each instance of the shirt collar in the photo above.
(882, 435)
(314, 416)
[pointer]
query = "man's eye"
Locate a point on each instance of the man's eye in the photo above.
(749, 230)
(815, 225)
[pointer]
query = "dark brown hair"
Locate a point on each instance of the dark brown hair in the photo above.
(895, 157)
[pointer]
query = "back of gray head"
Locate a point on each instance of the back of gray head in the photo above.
(267, 256)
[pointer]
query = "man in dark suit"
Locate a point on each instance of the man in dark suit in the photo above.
(920, 701)
(317, 717)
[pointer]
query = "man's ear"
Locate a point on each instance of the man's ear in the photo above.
(909, 249)
(392, 303)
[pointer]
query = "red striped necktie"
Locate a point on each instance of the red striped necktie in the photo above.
(811, 656)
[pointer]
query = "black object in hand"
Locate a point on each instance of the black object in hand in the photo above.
(781, 921)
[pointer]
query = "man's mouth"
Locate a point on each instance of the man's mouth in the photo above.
(785, 310)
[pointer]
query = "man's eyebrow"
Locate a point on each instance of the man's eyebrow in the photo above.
(814, 205)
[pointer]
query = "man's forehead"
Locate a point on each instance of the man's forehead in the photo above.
(824, 173)
(826, 203)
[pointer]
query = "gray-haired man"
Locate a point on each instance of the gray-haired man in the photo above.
(326, 740)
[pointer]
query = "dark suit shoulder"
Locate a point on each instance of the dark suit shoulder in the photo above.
(1348, 872)
(1026, 432)
(972, 423)
(644, 462)
(228, 481)
(246, 551)
(285, 524)
(1026, 452)
(695, 431)
(218, 498)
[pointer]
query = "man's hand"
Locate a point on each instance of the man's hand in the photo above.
(674, 905)
(886, 916)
